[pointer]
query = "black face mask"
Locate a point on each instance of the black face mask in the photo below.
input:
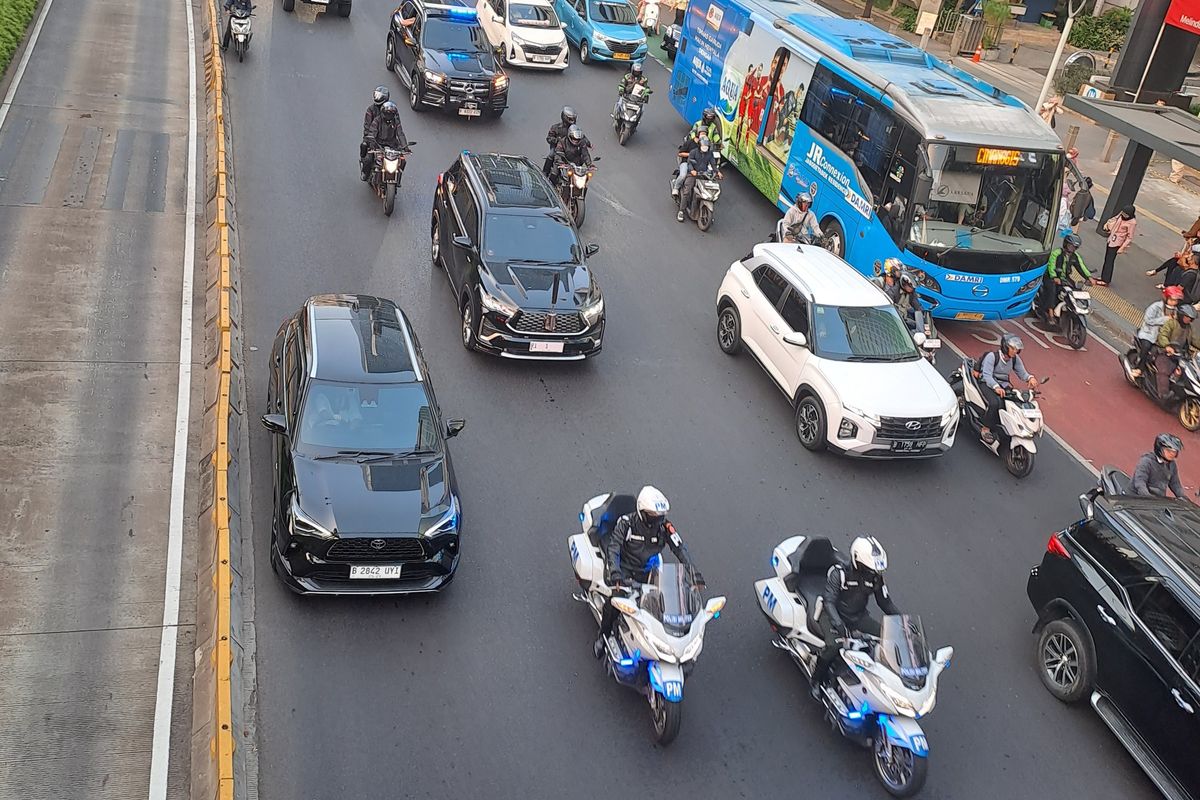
(651, 521)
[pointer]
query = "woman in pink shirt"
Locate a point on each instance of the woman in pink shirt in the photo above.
(1120, 235)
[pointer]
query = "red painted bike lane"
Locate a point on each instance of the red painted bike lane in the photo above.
(1087, 403)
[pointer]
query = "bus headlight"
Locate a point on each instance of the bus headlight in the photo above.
(925, 279)
(1030, 286)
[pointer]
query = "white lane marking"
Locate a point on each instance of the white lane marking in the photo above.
(20, 73)
(160, 754)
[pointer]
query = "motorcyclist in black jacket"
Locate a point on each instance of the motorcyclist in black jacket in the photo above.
(701, 161)
(574, 148)
(848, 589)
(229, 5)
(385, 131)
(635, 539)
(558, 132)
(382, 95)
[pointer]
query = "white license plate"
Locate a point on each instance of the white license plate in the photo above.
(545, 347)
(933, 344)
(375, 571)
(541, 59)
(468, 112)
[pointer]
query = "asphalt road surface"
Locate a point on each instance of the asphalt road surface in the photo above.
(490, 689)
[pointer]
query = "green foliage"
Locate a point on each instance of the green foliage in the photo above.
(14, 18)
(1071, 78)
(907, 17)
(1106, 32)
(883, 5)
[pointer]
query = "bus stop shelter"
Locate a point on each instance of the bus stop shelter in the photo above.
(1150, 129)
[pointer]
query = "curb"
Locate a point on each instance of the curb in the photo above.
(219, 762)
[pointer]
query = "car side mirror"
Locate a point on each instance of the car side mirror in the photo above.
(798, 339)
(919, 337)
(275, 423)
(463, 242)
(454, 427)
(591, 249)
(943, 656)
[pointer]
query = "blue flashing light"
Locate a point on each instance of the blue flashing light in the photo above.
(582, 516)
(716, 615)
(774, 560)
(853, 715)
(462, 13)
(627, 662)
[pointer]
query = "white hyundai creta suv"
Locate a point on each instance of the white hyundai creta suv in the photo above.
(839, 350)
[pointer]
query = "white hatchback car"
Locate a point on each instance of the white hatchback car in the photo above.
(839, 350)
(528, 32)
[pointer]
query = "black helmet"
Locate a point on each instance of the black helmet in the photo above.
(1072, 241)
(382, 95)
(635, 69)
(1011, 340)
(907, 282)
(389, 111)
(704, 143)
(575, 134)
(568, 115)
(1167, 441)
(709, 116)
(1186, 310)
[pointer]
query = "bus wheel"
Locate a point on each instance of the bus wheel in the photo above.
(835, 237)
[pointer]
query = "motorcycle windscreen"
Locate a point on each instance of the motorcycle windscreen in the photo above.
(903, 650)
(672, 599)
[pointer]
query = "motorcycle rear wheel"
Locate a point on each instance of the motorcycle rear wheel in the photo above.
(1189, 413)
(901, 771)
(665, 717)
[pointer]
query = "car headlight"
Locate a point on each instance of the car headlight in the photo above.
(434, 77)
(693, 649)
(898, 701)
(447, 523)
(304, 525)
(518, 41)
(950, 416)
(858, 412)
(665, 651)
(592, 313)
(496, 302)
(500, 81)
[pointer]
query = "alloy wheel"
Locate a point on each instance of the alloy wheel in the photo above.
(807, 423)
(1060, 659)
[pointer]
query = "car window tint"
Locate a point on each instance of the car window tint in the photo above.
(1172, 625)
(291, 366)
(1113, 553)
(795, 312)
(1190, 660)
(364, 417)
(770, 283)
(1106, 588)
(467, 212)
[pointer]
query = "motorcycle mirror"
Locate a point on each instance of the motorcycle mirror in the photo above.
(591, 249)
(715, 605)
(596, 158)
(919, 337)
(798, 339)
(463, 242)
(275, 423)
(624, 605)
(454, 427)
(1043, 381)
(943, 656)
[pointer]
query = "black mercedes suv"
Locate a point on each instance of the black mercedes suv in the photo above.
(445, 59)
(364, 492)
(1118, 602)
(514, 261)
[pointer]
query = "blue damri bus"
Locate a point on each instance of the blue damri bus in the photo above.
(903, 154)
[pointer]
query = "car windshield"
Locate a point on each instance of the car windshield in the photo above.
(988, 200)
(540, 238)
(367, 417)
(447, 36)
(903, 650)
(615, 13)
(672, 599)
(526, 16)
(861, 333)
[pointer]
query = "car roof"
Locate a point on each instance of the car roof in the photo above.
(1170, 528)
(828, 279)
(359, 338)
(509, 181)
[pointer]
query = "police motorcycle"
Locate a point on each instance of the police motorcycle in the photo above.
(660, 631)
(388, 174)
(1183, 394)
(1020, 417)
(629, 112)
(879, 687)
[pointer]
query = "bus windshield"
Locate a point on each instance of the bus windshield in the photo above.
(987, 200)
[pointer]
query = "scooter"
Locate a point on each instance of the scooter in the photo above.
(925, 335)
(879, 687)
(705, 194)
(1183, 395)
(239, 26)
(629, 112)
(1071, 309)
(660, 631)
(649, 20)
(386, 179)
(573, 190)
(1020, 418)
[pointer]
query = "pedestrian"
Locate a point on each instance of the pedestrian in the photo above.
(1081, 204)
(1192, 233)
(1050, 109)
(1120, 235)
(1173, 266)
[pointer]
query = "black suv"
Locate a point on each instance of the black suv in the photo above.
(514, 261)
(445, 59)
(365, 499)
(1118, 602)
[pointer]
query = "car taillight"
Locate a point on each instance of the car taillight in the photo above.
(1055, 547)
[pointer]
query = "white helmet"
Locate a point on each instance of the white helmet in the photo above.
(652, 505)
(868, 553)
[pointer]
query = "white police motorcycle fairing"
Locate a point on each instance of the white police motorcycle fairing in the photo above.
(879, 688)
(660, 630)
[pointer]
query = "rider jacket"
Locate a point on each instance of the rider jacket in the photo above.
(997, 370)
(372, 114)
(628, 82)
(1153, 476)
(806, 220)
(701, 162)
(633, 543)
(1175, 334)
(381, 133)
(556, 134)
(847, 592)
(569, 153)
(1062, 264)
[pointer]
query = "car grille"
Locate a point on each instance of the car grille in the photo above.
(542, 49)
(479, 88)
(898, 428)
(547, 322)
(623, 47)
(396, 548)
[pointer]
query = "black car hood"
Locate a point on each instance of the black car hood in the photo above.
(536, 286)
(353, 499)
(460, 64)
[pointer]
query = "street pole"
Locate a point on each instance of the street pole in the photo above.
(1058, 51)
(1137, 97)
